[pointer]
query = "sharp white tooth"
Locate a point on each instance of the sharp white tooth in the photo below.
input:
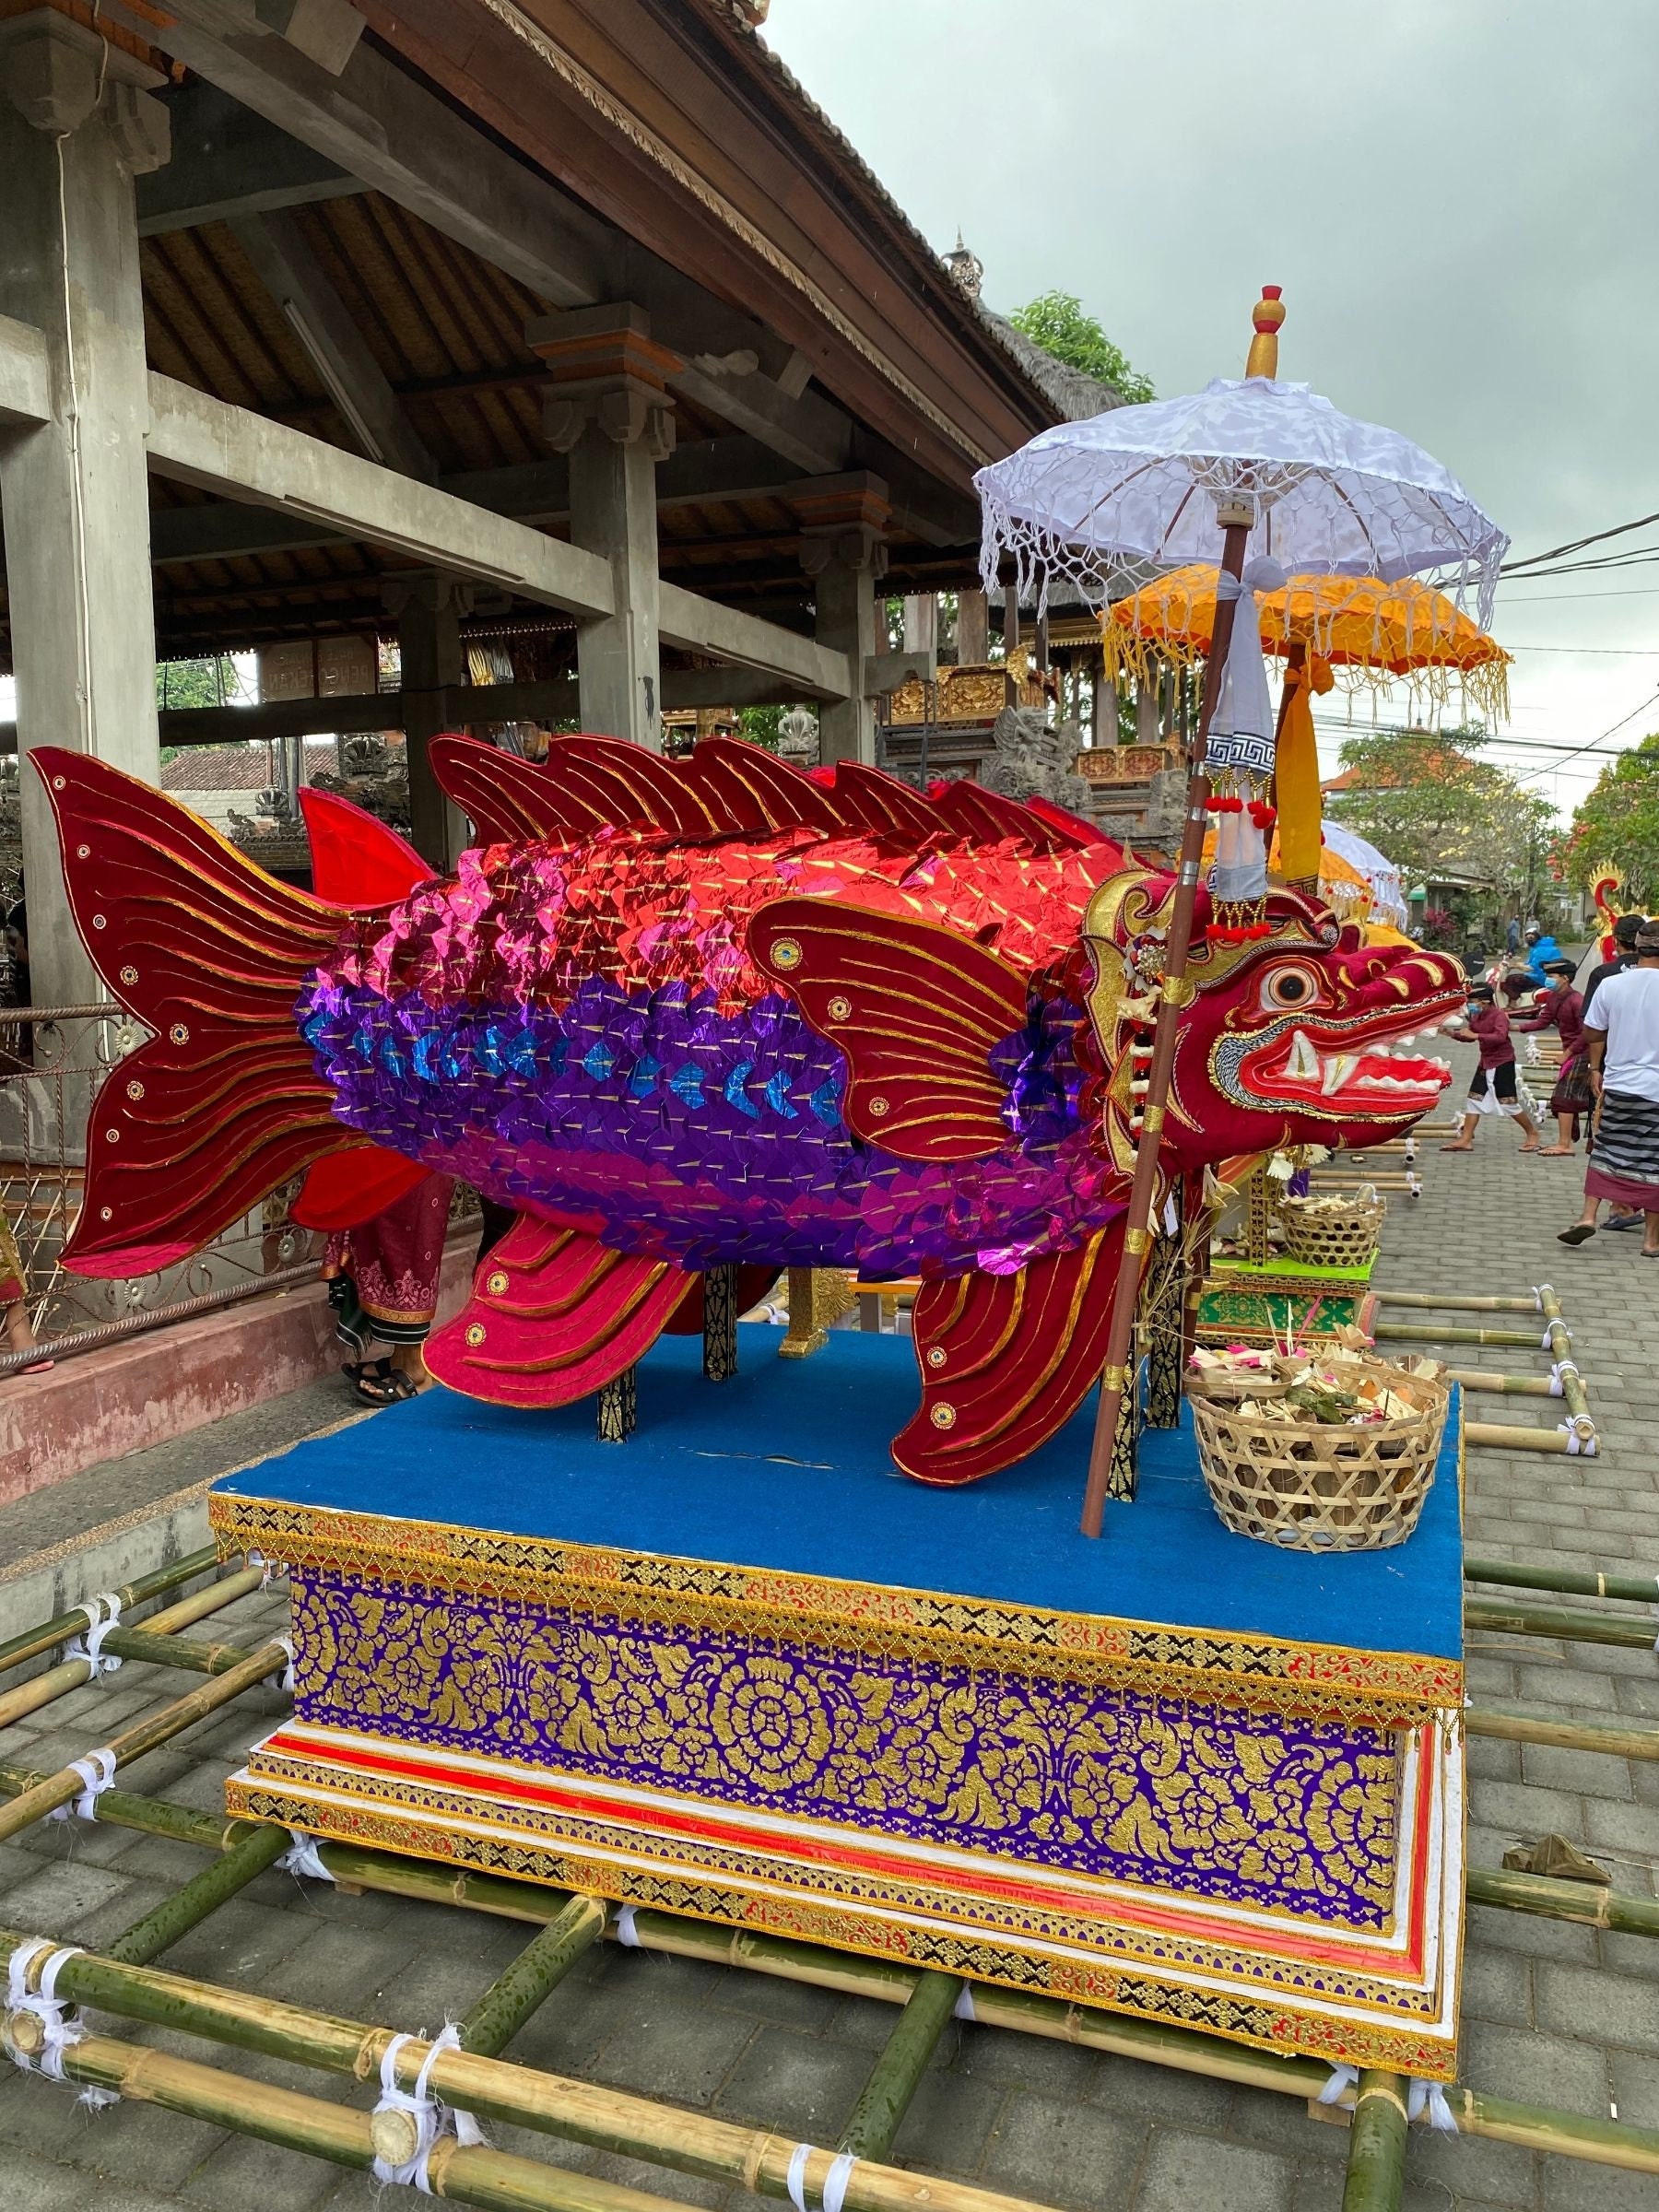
(1337, 1069)
(1303, 1062)
(1406, 1043)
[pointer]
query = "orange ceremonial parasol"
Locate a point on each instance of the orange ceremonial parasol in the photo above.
(1355, 630)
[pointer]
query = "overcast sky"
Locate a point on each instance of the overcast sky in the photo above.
(1460, 197)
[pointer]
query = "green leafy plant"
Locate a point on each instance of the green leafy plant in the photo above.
(1060, 324)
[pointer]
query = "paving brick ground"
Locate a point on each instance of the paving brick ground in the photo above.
(1552, 2013)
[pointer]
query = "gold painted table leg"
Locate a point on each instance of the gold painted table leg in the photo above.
(818, 1295)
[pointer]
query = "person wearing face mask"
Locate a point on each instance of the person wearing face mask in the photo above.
(1563, 1011)
(1494, 1088)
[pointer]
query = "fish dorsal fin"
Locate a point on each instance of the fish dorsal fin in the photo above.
(1067, 828)
(553, 1315)
(984, 815)
(917, 1009)
(787, 797)
(508, 801)
(638, 788)
(885, 807)
(356, 859)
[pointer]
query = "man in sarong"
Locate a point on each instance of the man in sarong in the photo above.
(382, 1285)
(1562, 1009)
(1494, 1088)
(1621, 1035)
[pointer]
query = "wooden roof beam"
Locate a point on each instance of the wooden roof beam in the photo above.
(227, 162)
(336, 348)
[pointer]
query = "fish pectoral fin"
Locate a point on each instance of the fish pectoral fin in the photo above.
(553, 1315)
(357, 860)
(349, 1188)
(1007, 1359)
(917, 1011)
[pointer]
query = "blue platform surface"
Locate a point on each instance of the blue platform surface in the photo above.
(786, 1467)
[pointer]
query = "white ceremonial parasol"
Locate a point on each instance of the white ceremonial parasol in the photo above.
(1253, 470)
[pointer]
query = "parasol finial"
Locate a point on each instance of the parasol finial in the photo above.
(1266, 316)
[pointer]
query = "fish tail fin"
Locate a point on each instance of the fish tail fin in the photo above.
(223, 1103)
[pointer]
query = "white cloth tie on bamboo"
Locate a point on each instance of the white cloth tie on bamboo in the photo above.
(98, 1772)
(102, 1614)
(835, 2181)
(303, 1857)
(1343, 2079)
(628, 1936)
(963, 2007)
(1577, 1443)
(58, 2031)
(1557, 1374)
(287, 1643)
(1430, 2096)
(431, 2117)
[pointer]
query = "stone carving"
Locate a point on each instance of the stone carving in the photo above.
(798, 736)
(1031, 760)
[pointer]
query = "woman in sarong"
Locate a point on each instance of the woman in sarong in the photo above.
(1621, 1036)
(382, 1285)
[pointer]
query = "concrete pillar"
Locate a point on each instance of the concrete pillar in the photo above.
(76, 124)
(611, 411)
(922, 623)
(844, 550)
(430, 606)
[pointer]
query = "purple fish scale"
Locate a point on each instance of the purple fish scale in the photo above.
(673, 1129)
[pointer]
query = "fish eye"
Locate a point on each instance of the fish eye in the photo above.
(1287, 987)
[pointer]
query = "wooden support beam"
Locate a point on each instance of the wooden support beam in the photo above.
(204, 441)
(228, 163)
(25, 375)
(336, 348)
(382, 127)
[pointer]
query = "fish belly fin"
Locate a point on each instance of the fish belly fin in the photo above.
(349, 1188)
(356, 859)
(553, 1315)
(917, 1009)
(224, 1102)
(1005, 1361)
(508, 801)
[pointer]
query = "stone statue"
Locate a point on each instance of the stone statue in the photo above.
(798, 737)
(1032, 760)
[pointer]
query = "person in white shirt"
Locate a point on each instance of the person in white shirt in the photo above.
(1621, 1036)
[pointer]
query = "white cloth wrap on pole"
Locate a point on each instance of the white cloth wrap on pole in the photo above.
(835, 2181)
(98, 1772)
(1241, 748)
(1430, 2096)
(104, 1613)
(59, 2030)
(432, 2119)
(302, 1856)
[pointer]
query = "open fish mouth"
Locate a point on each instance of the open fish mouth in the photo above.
(1363, 1069)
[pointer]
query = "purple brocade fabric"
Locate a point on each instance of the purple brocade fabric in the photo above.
(1296, 1816)
(671, 1128)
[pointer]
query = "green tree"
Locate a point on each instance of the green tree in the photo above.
(1428, 800)
(1620, 821)
(1057, 321)
(209, 682)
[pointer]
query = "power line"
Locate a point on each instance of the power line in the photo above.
(1576, 545)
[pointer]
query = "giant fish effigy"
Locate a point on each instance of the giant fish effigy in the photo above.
(685, 1016)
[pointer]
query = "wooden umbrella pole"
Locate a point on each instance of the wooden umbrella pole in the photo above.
(1114, 1379)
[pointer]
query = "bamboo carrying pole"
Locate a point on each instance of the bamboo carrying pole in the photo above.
(155, 1643)
(886, 2095)
(1631, 1741)
(544, 1962)
(1643, 1589)
(1571, 1627)
(1498, 1436)
(696, 2143)
(144, 1735)
(609, 2120)
(245, 1860)
(33, 1641)
(1594, 1905)
(1376, 2163)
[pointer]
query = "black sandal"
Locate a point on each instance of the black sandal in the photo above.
(387, 1388)
(1580, 1233)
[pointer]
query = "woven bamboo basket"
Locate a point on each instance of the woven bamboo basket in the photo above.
(1313, 1487)
(1334, 1239)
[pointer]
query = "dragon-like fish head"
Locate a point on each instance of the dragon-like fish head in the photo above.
(1302, 1035)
